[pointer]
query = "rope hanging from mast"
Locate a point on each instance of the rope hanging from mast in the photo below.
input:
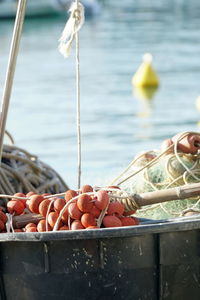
(71, 32)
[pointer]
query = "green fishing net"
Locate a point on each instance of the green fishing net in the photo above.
(154, 171)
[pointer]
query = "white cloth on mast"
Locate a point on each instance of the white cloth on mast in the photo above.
(73, 25)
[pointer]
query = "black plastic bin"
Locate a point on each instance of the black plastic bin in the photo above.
(159, 260)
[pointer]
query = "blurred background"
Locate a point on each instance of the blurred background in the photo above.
(117, 120)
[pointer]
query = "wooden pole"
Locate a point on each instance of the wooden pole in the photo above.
(177, 193)
(19, 20)
(22, 220)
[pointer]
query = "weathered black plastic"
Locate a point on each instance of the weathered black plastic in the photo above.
(156, 260)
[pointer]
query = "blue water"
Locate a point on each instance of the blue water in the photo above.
(116, 123)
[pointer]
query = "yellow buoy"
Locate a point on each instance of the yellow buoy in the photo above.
(145, 76)
(198, 103)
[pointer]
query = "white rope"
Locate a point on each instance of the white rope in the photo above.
(70, 33)
(9, 223)
(72, 27)
(78, 112)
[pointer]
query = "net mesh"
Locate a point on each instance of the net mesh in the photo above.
(156, 170)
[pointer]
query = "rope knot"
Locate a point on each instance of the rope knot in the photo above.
(72, 26)
(77, 15)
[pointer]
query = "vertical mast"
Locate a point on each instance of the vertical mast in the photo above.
(14, 49)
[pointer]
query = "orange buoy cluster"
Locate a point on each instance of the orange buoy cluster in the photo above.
(3, 219)
(74, 210)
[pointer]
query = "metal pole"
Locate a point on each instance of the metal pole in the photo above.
(17, 32)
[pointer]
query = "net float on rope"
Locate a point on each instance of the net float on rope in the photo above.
(115, 208)
(59, 203)
(84, 203)
(65, 216)
(30, 225)
(20, 195)
(3, 217)
(86, 188)
(52, 218)
(31, 229)
(41, 226)
(165, 145)
(70, 194)
(144, 158)
(129, 221)
(102, 200)
(15, 207)
(188, 142)
(112, 221)
(2, 226)
(34, 203)
(64, 227)
(87, 220)
(43, 207)
(92, 227)
(95, 211)
(76, 225)
(74, 211)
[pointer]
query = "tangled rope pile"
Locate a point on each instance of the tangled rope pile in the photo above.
(23, 172)
(177, 163)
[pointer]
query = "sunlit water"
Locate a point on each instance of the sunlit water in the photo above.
(115, 123)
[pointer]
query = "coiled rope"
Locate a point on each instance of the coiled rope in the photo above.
(23, 172)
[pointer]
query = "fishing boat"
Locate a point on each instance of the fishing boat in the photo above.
(150, 261)
(153, 260)
(36, 8)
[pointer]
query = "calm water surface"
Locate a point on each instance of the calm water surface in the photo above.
(116, 122)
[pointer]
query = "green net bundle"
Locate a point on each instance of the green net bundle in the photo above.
(164, 173)
(156, 170)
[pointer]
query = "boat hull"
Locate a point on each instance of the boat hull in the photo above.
(150, 261)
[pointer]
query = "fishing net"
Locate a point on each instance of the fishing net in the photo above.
(156, 170)
(23, 172)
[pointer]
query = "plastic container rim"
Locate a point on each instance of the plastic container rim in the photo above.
(146, 227)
